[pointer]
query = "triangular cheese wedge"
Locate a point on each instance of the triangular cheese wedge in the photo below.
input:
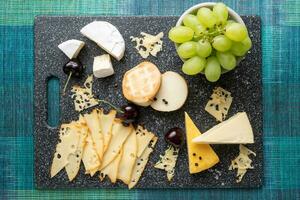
(128, 159)
(235, 130)
(111, 170)
(71, 48)
(143, 139)
(90, 158)
(119, 135)
(106, 122)
(201, 156)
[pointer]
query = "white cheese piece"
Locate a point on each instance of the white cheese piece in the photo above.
(141, 163)
(90, 158)
(242, 162)
(102, 66)
(111, 170)
(148, 44)
(71, 48)
(167, 161)
(143, 139)
(219, 103)
(106, 36)
(83, 96)
(235, 130)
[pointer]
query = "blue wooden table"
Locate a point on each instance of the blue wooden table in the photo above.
(281, 96)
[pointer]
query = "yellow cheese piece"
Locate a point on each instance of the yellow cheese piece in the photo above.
(90, 158)
(111, 170)
(94, 127)
(119, 135)
(128, 159)
(74, 159)
(141, 163)
(201, 156)
(106, 122)
(143, 139)
(69, 140)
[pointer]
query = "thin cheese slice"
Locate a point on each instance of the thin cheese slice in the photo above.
(94, 127)
(119, 135)
(167, 161)
(74, 159)
(201, 156)
(141, 163)
(106, 122)
(69, 140)
(111, 170)
(242, 162)
(90, 158)
(143, 139)
(128, 159)
(219, 103)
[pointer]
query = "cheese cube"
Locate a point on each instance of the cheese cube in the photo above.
(102, 66)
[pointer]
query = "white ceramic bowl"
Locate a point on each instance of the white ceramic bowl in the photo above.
(193, 10)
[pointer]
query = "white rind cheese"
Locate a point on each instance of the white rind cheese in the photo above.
(106, 36)
(102, 66)
(235, 130)
(71, 48)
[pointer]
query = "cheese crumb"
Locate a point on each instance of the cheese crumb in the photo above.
(148, 44)
(242, 163)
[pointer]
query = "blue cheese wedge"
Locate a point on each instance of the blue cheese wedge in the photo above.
(167, 161)
(102, 66)
(219, 103)
(71, 48)
(242, 162)
(106, 36)
(235, 130)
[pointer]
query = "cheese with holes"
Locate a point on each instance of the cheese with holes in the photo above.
(148, 44)
(219, 103)
(128, 159)
(83, 96)
(69, 139)
(102, 66)
(71, 48)
(94, 127)
(106, 36)
(167, 161)
(143, 138)
(242, 162)
(119, 136)
(201, 156)
(141, 163)
(111, 170)
(106, 122)
(235, 130)
(90, 158)
(74, 159)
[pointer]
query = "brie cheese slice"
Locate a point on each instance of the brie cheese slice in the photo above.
(235, 130)
(102, 66)
(71, 48)
(106, 36)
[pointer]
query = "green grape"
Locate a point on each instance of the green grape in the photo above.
(212, 69)
(206, 17)
(199, 30)
(220, 10)
(241, 48)
(194, 65)
(203, 48)
(227, 60)
(191, 21)
(229, 22)
(236, 32)
(221, 43)
(180, 34)
(187, 49)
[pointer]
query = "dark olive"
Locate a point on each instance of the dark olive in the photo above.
(175, 136)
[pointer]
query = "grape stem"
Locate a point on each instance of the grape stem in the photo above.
(111, 105)
(65, 87)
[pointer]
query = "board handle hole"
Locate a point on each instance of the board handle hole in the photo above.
(53, 98)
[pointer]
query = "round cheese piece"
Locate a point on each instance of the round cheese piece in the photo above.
(141, 83)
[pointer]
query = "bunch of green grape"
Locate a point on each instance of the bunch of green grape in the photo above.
(210, 41)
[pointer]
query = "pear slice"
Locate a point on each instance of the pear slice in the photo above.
(172, 94)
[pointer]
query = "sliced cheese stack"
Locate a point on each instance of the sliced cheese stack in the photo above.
(201, 156)
(235, 130)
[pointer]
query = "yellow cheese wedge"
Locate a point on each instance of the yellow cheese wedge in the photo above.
(106, 122)
(97, 136)
(90, 158)
(201, 156)
(143, 139)
(111, 170)
(119, 135)
(128, 159)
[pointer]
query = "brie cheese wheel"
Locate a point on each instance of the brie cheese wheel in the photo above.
(102, 66)
(71, 48)
(235, 130)
(106, 36)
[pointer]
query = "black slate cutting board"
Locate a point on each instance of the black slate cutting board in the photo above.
(244, 83)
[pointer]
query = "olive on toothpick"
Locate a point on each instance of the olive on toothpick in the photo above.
(72, 68)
